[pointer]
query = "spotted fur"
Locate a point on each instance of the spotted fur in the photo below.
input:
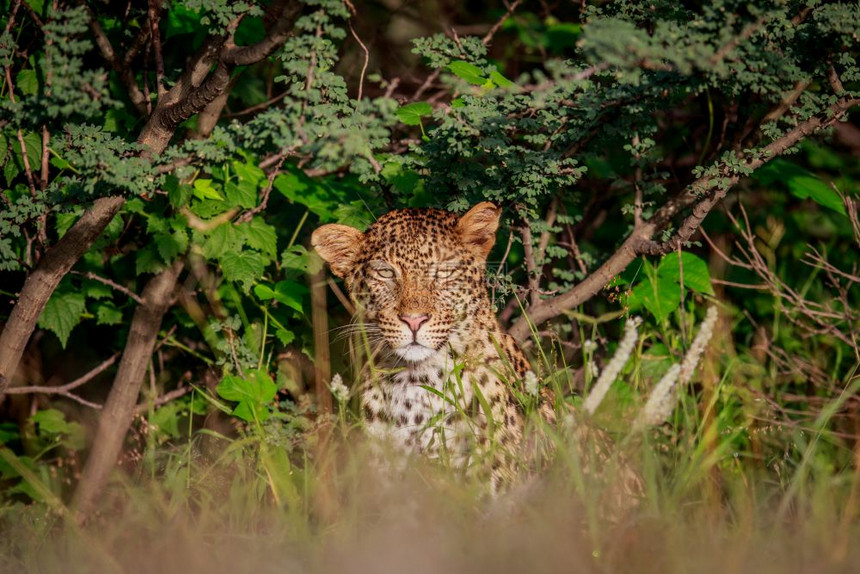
(445, 388)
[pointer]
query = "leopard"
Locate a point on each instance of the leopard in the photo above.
(446, 381)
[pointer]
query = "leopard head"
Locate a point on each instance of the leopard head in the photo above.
(416, 276)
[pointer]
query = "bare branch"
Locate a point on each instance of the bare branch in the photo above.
(154, 10)
(162, 400)
(122, 68)
(111, 284)
(276, 35)
(531, 265)
(707, 191)
(489, 36)
(366, 61)
(64, 389)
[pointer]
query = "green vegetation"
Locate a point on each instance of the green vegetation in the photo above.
(163, 166)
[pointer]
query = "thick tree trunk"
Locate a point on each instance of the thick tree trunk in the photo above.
(195, 89)
(44, 279)
(322, 353)
(120, 406)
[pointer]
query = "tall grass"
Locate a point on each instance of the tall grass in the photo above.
(722, 492)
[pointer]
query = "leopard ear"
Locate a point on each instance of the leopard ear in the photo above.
(338, 245)
(478, 227)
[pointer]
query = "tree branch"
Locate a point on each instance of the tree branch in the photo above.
(122, 68)
(707, 191)
(119, 410)
(42, 281)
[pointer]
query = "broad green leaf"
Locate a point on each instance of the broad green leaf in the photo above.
(27, 82)
(284, 336)
(260, 235)
(177, 193)
(148, 260)
(696, 275)
(62, 312)
(33, 144)
(299, 260)
(287, 292)
(801, 183)
(243, 195)
(660, 298)
(411, 114)
(223, 238)
(95, 289)
(52, 423)
(469, 72)
(244, 267)
(170, 245)
(500, 80)
(253, 393)
(248, 173)
(166, 419)
(203, 189)
(108, 314)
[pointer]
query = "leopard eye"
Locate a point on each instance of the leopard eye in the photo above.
(444, 272)
(385, 273)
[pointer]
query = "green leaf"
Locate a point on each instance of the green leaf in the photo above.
(284, 336)
(660, 298)
(27, 82)
(62, 312)
(469, 72)
(411, 114)
(696, 275)
(148, 260)
(287, 292)
(177, 193)
(242, 266)
(203, 189)
(108, 314)
(223, 238)
(260, 235)
(253, 393)
(248, 173)
(801, 183)
(299, 260)
(53, 422)
(95, 289)
(243, 195)
(170, 245)
(501, 81)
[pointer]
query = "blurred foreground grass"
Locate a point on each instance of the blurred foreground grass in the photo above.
(707, 507)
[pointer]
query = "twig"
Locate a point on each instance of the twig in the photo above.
(257, 107)
(111, 284)
(489, 36)
(639, 242)
(161, 400)
(264, 199)
(65, 390)
(543, 242)
(46, 139)
(154, 16)
(834, 80)
(344, 300)
(123, 69)
(366, 61)
(531, 265)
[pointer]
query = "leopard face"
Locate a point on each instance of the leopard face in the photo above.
(416, 276)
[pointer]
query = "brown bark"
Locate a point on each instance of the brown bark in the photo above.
(196, 88)
(119, 410)
(640, 240)
(41, 283)
(322, 355)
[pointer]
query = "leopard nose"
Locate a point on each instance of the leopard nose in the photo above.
(414, 321)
